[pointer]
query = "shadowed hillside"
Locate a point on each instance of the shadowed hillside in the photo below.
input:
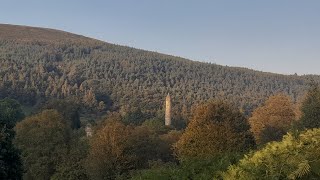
(37, 64)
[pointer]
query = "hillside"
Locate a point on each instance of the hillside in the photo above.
(38, 63)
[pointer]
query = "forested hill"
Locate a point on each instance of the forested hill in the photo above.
(38, 63)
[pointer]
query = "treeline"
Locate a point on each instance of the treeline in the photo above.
(276, 142)
(39, 64)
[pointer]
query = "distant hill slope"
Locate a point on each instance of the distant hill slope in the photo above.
(42, 63)
(26, 33)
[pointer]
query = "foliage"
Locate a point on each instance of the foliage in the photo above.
(166, 143)
(311, 109)
(134, 117)
(43, 140)
(195, 168)
(10, 162)
(156, 125)
(10, 113)
(116, 149)
(272, 120)
(73, 162)
(216, 128)
(69, 109)
(295, 157)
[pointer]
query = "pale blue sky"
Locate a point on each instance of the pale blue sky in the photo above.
(280, 36)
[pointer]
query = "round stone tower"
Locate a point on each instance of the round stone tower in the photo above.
(168, 111)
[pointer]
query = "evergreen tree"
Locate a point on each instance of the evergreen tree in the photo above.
(10, 162)
(311, 109)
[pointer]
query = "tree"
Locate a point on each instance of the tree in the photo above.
(165, 145)
(215, 128)
(134, 117)
(72, 165)
(272, 120)
(10, 113)
(10, 162)
(115, 149)
(195, 168)
(295, 157)
(68, 109)
(156, 125)
(311, 109)
(43, 139)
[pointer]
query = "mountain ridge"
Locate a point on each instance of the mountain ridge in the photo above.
(7, 27)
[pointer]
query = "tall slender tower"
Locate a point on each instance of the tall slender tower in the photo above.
(168, 111)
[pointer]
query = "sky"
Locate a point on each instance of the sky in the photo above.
(281, 36)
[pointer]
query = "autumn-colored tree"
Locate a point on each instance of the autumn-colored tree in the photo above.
(115, 149)
(311, 109)
(89, 99)
(272, 120)
(215, 128)
(42, 138)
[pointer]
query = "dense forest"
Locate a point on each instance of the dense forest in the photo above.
(76, 108)
(39, 64)
(219, 142)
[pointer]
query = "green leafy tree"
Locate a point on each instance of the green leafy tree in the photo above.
(10, 162)
(295, 157)
(10, 113)
(72, 165)
(311, 109)
(156, 125)
(215, 128)
(68, 109)
(43, 139)
(196, 168)
(134, 117)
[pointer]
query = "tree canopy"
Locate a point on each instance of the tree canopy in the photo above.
(215, 128)
(10, 161)
(272, 120)
(42, 139)
(311, 109)
(117, 148)
(295, 157)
